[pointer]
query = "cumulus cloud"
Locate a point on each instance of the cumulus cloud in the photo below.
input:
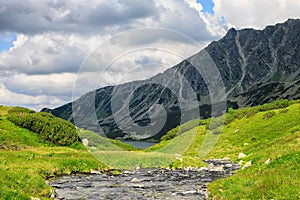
(8, 97)
(48, 53)
(125, 40)
(30, 16)
(256, 13)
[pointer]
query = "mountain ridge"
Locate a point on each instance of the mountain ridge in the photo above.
(255, 67)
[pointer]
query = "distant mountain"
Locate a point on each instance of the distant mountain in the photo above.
(254, 66)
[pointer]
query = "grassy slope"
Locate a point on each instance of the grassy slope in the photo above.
(276, 138)
(25, 162)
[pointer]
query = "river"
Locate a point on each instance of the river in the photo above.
(143, 184)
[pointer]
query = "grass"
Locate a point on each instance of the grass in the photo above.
(276, 138)
(130, 160)
(26, 161)
(264, 132)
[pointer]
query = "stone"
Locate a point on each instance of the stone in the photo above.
(135, 180)
(241, 162)
(241, 155)
(178, 157)
(228, 165)
(85, 142)
(248, 164)
(217, 169)
(226, 158)
(211, 166)
(92, 171)
(246, 144)
(268, 161)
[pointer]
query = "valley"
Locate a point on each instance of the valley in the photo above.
(268, 132)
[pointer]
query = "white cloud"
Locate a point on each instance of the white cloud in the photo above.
(12, 98)
(256, 13)
(54, 38)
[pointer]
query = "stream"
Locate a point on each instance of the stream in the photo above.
(189, 183)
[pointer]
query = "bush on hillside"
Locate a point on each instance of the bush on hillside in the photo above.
(274, 105)
(269, 114)
(20, 110)
(170, 134)
(51, 129)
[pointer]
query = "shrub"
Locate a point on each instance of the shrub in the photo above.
(49, 128)
(274, 105)
(170, 134)
(20, 110)
(285, 110)
(268, 115)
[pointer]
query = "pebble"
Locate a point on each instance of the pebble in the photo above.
(241, 155)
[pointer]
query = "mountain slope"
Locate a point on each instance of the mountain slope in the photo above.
(27, 161)
(246, 67)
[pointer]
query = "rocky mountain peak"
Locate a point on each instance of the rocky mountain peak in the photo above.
(254, 67)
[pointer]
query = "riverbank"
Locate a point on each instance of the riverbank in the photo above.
(188, 183)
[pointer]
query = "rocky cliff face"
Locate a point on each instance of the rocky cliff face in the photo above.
(244, 68)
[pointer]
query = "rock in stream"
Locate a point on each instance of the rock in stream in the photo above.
(189, 183)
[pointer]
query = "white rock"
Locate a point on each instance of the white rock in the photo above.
(135, 180)
(211, 166)
(246, 144)
(241, 155)
(217, 169)
(228, 165)
(94, 171)
(226, 158)
(190, 192)
(202, 168)
(178, 157)
(237, 130)
(248, 164)
(268, 161)
(85, 142)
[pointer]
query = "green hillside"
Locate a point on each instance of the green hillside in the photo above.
(269, 133)
(265, 132)
(26, 160)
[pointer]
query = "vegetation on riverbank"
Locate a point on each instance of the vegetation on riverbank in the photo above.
(268, 135)
(27, 160)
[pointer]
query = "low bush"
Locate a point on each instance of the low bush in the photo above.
(49, 128)
(285, 110)
(268, 115)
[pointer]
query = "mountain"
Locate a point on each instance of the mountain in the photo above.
(245, 68)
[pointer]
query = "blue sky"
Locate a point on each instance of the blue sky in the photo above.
(207, 5)
(6, 41)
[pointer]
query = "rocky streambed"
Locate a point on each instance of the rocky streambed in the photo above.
(189, 183)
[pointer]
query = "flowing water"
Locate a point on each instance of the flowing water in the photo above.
(189, 183)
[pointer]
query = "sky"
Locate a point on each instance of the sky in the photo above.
(45, 45)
